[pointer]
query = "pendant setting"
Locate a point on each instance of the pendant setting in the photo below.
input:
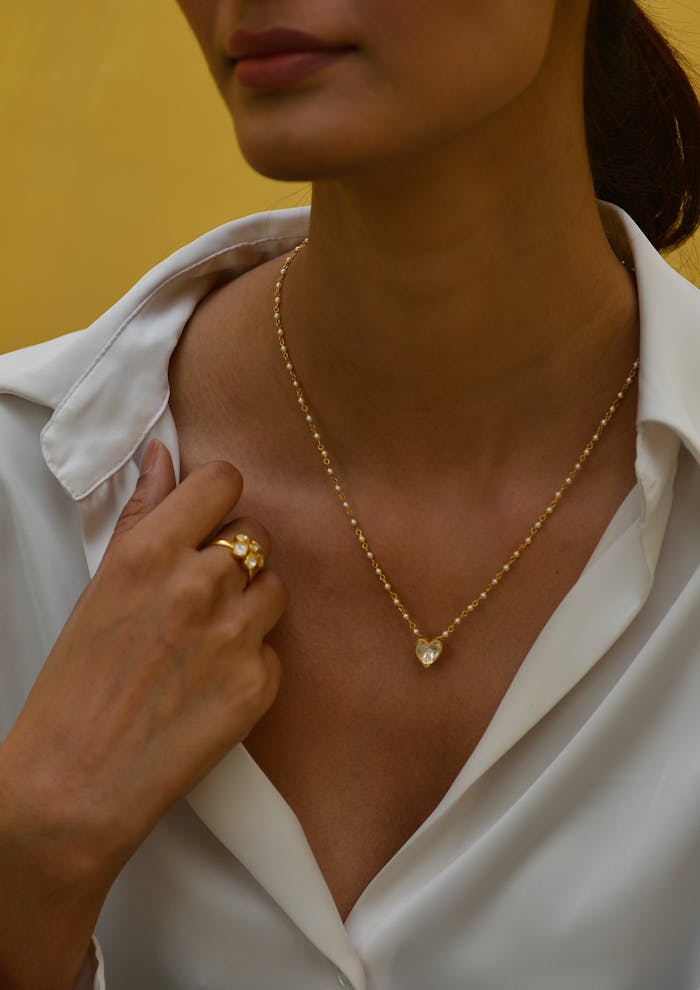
(428, 652)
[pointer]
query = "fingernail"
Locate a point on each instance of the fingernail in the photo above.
(150, 456)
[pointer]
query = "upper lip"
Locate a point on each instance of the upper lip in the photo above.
(245, 43)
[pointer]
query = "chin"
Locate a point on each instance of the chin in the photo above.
(303, 154)
(283, 164)
(303, 166)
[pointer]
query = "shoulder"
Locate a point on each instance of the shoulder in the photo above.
(45, 372)
(103, 388)
(219, 354)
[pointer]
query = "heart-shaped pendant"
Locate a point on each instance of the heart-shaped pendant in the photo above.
(427, 652)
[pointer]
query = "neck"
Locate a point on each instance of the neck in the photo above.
(471, 295)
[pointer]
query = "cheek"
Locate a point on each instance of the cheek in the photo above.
(468, 56)
(426, 71)
(202, 17)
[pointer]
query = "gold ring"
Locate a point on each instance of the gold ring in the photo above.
(246, 551)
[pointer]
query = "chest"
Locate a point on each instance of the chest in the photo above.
(362, 741)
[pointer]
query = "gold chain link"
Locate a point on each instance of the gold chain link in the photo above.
(514, 557)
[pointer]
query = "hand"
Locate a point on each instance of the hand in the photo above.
(160, 670)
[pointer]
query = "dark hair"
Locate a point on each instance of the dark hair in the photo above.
(642, 123)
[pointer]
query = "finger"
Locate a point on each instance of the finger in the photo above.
(197, 507)
(222, 564)
(156, 482)
(267, 598)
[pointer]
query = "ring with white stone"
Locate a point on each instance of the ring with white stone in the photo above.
(245, 551)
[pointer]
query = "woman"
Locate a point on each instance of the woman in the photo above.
(481, 769)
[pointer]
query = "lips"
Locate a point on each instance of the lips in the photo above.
(275, 41)
(279, 57)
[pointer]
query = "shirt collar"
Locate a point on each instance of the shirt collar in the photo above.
(107, 412)
(668, 411)
(101, 418)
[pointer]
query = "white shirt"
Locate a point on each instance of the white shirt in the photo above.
(566, 853)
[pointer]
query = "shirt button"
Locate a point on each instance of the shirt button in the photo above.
(344, 980)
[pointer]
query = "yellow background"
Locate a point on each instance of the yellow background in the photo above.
(116, 150)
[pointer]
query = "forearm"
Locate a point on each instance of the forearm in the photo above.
(163, 654)
(49, 899)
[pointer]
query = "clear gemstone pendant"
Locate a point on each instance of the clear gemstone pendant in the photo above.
(427, 652)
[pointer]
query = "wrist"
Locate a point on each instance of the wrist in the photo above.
(44, 828)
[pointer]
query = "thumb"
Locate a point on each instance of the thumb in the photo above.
(157, 479)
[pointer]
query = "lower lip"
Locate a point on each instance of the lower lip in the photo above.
(275, 71)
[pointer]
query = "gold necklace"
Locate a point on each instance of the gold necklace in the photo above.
(428, 649)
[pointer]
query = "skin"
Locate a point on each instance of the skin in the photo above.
(490, 154)
(186, 672)
(454, 331)
(455, 341)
